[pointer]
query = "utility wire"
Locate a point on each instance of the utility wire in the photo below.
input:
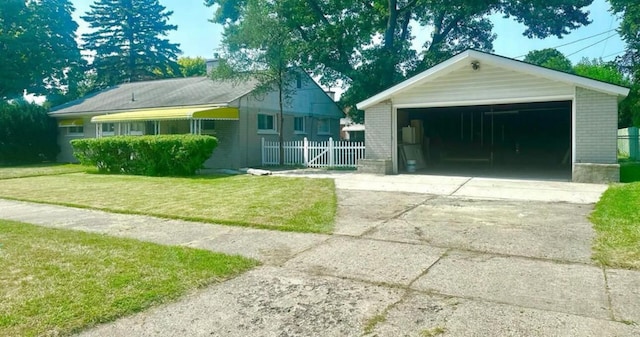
(613, 54)
(576, 41)
(591, 45)
(606, 43)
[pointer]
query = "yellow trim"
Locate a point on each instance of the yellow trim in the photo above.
(68, 123)
(220, 113)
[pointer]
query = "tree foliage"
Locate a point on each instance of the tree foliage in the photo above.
(629, 29)
(368, 44)
(599, 70)
(38, 49)
(128, 41)
(549, 58)
(27, 134)
(192, 66)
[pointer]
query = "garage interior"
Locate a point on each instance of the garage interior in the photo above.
(523, 140)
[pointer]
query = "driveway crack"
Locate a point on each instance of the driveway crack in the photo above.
(460, 187)
(398, 215)
(608, 292)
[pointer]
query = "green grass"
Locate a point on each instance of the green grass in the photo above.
(11, 172)
(57, 282)
(290, 204)
(437, 331)
(629, 171)
(616, 220)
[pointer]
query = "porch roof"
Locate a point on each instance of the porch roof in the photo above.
(214, 113)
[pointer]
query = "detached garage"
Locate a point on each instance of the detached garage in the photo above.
(487, 114)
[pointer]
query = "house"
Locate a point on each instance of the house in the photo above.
(480, 110)
(351, 131)
(235, 113)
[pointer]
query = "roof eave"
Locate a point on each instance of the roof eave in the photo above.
(507, 63)
(439, 69)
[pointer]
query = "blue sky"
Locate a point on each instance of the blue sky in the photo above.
(199, 37)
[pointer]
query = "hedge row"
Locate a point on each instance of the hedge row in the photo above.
(161, 155)
(27, 134)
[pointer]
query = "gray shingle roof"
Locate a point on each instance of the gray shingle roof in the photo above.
(158, 93)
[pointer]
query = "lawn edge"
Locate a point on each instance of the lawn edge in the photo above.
(184, 218)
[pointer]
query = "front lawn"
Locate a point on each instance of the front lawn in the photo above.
(617, 224)
(291, 204)
(57, 282)
(10, 172)
(629, 171)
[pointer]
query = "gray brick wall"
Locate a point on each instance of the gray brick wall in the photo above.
(378, 133)
(596, 127)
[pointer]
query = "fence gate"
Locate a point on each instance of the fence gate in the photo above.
(313, 153)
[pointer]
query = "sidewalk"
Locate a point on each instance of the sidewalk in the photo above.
(398, 264)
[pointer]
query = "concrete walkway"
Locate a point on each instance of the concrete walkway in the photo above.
(476, 257)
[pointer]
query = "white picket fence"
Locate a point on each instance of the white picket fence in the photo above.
(313, 154)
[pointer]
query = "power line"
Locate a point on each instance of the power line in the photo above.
(591, 45)
(613, 54)
(576, 41)
(605, 44)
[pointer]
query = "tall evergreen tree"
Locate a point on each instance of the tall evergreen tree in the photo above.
(38, 49)
(129, 41)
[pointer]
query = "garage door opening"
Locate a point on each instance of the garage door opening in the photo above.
(524, 140)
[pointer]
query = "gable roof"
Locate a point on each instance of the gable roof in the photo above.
(468, 56)
(190, 91)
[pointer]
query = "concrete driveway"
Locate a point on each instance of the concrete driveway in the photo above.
(454, 263)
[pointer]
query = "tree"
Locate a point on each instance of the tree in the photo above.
(367, 44)
(601, 71)
(190, 67)
(629, 29)
(27, 133)
(263, 50)
(128, 41)
(38, 48)
(549, 58)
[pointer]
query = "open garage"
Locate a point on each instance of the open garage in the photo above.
(480, 114)
(517, 140)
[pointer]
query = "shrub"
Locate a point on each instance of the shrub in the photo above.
(27, 134)
(161, 155)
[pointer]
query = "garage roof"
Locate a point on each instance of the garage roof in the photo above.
(470, 56)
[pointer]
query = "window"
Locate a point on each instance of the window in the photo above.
(324, 127)
(298, 81)
(136, 129)
(75, 131)
(298, 125)
(266, 123)
(208, 127)
(108, 129)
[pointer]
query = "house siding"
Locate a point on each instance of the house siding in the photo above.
(64, 141)
(489, 83)
(378, 137)
(596, 127)
(225, 154)
(309, 101)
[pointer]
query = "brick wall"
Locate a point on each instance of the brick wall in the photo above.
(378, 133)
(596, 127)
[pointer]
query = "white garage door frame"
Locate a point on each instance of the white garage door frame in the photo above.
(518, 100)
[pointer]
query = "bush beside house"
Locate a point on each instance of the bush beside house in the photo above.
(160, 155)
(27, 134)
